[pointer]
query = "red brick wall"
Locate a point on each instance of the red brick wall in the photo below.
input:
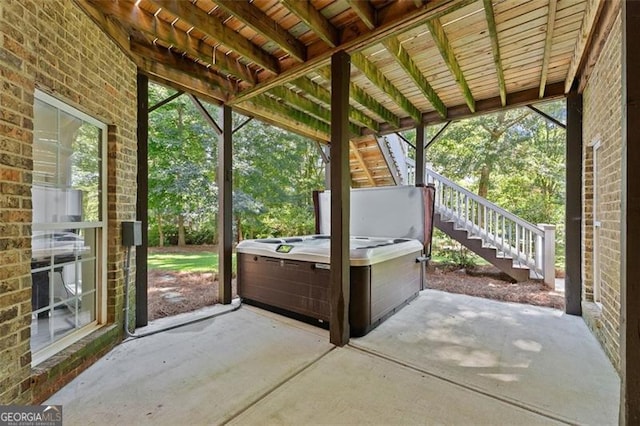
(602, 120)
(51, 45)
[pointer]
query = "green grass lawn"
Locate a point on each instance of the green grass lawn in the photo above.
(186, 262)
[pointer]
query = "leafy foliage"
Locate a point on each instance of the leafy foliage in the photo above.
(274, 174)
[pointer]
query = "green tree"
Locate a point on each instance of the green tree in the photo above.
(181, 164)
(275, 173)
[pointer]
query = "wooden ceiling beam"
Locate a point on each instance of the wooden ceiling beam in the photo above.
(298, 116)
(207, 95)
(594, 7)
(290, 113)
(390, 21)
(136, 18)
(483, 106)
(402, 57)
(267, 116)
(377, 78)
(441, 40)
(302, 103)
(551, 20)
(260, 22)
(314, 20)
(495, 48)
(310, 107)
(361, 162)
(181, 81)
(177, 62)
(605, 24)
(214, 28)
(324, 95)
(161, 73)
(364, 99)
(365, 12)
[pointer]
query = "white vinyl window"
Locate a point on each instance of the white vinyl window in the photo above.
(69, 226)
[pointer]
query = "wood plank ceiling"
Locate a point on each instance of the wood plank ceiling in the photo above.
(412, 61)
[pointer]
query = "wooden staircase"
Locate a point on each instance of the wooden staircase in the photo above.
(476, 244)
(518, 248)
(372, 163)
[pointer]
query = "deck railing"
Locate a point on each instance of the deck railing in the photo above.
(527, 244)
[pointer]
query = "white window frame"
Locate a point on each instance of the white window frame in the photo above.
(101, 238)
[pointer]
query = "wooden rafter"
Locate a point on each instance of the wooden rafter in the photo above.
(324, 95)
(179, 80)
(495, 48)
(365, 12)
(483, 106)
(361, 162)
(308, 106)
(298, 116)
(302, 103)
(441, 40)
(291, 113)
(261, 23)
(395, 20)
(161, 73)
(177, 62)
(364, 99)
(212, 27)
(377, 78)
(551, 20)
(404, 60)
(140, 20)
(590, 17)
(267, 116)
(314, 20)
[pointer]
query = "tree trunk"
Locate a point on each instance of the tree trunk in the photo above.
(483, 184)
(239, 227)
(181, 238)
(160, 231)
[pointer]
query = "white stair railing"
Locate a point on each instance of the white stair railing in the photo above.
(527, 244)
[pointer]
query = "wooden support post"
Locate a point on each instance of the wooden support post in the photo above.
(630, 219)
(339, 329)
(573, 211)
(420, 155)
(225, 211)
(142, 206)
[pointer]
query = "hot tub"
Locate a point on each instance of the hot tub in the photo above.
(291, 276)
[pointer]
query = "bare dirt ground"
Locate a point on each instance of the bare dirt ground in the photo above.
(171, 293)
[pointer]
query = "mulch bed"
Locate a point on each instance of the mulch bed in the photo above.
(490, 283)
(172, 293)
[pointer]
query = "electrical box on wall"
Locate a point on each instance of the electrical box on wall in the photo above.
(132, 233)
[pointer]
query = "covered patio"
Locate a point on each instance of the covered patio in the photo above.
(443, 359)
(336, 72)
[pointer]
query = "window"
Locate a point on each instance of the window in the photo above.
(69, 230)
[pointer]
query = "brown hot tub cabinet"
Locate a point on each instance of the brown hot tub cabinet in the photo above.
(291, 276)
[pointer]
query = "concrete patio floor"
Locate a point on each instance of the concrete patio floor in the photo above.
(443, 359)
